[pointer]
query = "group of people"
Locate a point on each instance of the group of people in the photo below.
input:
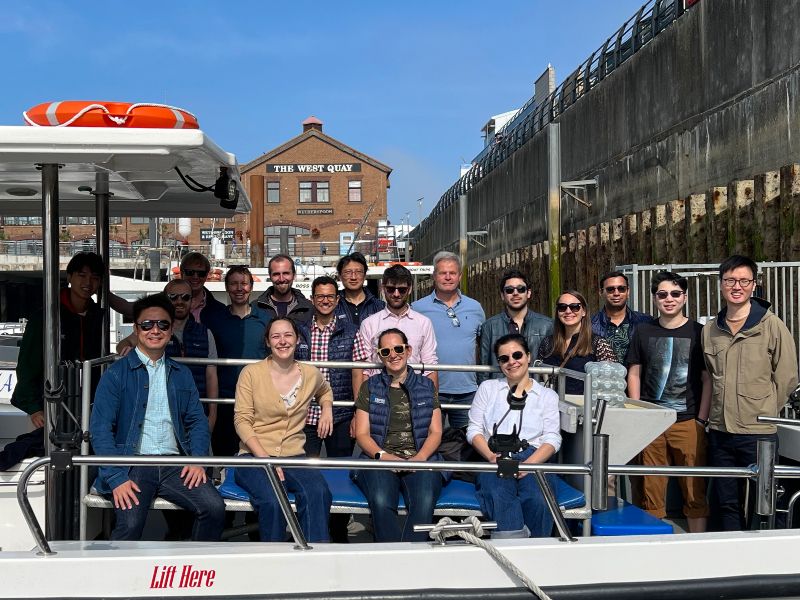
(717, 378)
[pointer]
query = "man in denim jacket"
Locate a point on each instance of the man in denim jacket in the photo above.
(148, 404)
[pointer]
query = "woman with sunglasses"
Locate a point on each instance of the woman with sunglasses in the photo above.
(573, 344)
(398, 418)
(516, 504)
(272, 398)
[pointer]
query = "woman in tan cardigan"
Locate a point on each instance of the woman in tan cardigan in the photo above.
(272, 398)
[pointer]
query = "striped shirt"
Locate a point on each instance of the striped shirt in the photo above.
(158, 435)
(320, 336)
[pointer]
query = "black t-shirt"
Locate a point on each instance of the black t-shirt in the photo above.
(671, 365)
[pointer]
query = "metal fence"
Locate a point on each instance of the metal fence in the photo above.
(777, 283)
(650, 20)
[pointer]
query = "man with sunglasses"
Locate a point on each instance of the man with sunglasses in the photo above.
(147, 404)
(615, 321)
(356, 302)
(281, 299)
(752, 360)
(666, 367)
(457, 321)
(516, 317)
(195, 269)
(396, 283)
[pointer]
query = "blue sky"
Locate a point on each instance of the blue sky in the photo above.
(409, 83)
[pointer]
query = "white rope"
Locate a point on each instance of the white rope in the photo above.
(474, 537)
(117, 120)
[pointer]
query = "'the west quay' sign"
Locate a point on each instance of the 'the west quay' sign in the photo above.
(315, 168)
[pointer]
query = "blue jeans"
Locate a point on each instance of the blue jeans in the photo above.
(420, 491)
(457, 419)
(312, 498)
(514, 503)
(203, 501)
(727, 493)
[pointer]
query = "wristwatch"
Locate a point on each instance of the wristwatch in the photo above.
(703, 422)
(379, 454)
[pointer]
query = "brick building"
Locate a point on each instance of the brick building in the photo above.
(310, 194)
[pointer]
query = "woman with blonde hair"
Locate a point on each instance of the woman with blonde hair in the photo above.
(572, 344)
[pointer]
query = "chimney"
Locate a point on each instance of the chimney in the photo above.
(312, 122)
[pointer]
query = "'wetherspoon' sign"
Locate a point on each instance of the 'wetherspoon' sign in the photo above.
(315, 168)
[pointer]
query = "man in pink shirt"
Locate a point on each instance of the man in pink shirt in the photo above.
(397, 282)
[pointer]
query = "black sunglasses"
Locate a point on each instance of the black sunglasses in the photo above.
(610, 289)
(184, 297)
(391, 289)
(453, 318)
(574, 306)
(385, 352)
(504, 358)
(662, 294)
(193, 272)
(510, 289)
(148, 324)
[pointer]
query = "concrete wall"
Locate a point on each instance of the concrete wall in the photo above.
(713, 98)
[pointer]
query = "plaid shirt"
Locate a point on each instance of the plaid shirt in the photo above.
(320, 336)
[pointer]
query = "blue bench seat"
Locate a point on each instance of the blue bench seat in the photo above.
(623, 518)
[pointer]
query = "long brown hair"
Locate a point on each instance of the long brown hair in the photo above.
(560, 340)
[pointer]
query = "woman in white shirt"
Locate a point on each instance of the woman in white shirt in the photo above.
(516, 504)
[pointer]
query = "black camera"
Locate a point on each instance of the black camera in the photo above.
(506, 444)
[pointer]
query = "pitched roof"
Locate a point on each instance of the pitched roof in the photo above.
(322, 137)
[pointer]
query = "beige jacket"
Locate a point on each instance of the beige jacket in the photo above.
(752, 372)
(261, 412)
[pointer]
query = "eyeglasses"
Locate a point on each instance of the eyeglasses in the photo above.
(662, 294)
(453, 318)
(353, 273)
(195, 272)
(392, 289)
(574, 307)
(520, 289)
(329, 297)
(399, 350)
(610, 289)
(148, 324)
(184, 297)
(729, 282)
(504, 358)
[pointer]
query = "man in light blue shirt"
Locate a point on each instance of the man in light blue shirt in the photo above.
(147, 404)
(457, 321)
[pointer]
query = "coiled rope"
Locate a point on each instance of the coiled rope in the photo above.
(474, 537)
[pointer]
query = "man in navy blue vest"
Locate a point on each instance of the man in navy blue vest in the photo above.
(327, 337)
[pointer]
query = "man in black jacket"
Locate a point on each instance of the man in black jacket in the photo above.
(281, 299)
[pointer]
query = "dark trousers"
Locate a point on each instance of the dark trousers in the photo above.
(727, 493)
(224, 440)
(338, 444)
(203, 501)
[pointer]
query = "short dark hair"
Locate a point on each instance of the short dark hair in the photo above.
(735, 261)
(398, 274)
(513, 274)
(86, 259)
(663, 276)
(191, 257)
(323, 280)
(159, 300)
(281, 257)
(390, 331)
(611, 275)
(348, 258)
(243, 269)
(511, 337)
(279, 319)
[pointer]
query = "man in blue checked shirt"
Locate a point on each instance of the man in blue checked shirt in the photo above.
(148, 404)
(457, 321)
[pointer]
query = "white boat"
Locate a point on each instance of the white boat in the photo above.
(138, 168)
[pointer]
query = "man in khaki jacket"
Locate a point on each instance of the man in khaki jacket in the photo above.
(752, 360)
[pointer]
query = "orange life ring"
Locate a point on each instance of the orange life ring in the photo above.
(83, 113)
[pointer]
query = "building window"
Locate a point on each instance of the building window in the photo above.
(354, 190)
(140, 221)
(274, 191)
(314, 191)
(272, 238)
(22, 220)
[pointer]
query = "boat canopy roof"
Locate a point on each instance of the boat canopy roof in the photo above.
(140, 164)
